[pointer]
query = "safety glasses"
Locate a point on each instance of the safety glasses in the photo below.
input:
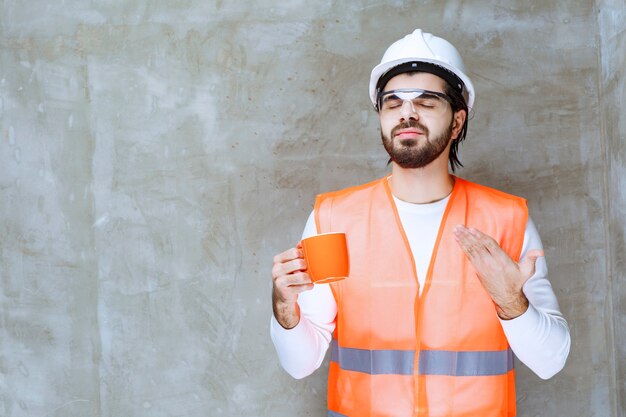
(424, 102)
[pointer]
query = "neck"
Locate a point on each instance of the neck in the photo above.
(422, 185)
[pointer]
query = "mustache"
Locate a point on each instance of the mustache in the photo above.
(411, 124)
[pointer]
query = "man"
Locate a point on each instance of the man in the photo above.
(447, 277)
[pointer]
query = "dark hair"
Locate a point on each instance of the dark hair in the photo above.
(457, 103)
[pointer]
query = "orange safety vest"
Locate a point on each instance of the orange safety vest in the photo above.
(396, 353)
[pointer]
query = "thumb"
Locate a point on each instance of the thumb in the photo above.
(527, 265)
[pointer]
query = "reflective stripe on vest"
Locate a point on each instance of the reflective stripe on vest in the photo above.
(334, 414)
(431, 362)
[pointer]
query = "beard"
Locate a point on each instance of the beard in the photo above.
(408, 153)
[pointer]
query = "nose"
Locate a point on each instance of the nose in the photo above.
(407, 111)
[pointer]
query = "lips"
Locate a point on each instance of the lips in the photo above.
(409, 133)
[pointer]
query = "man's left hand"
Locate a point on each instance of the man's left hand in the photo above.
(501, 276)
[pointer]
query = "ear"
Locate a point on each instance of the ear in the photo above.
(458, 120)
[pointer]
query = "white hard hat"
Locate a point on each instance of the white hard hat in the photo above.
(423, 47)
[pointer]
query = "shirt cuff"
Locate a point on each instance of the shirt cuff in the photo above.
(279, 332)
(522, 325)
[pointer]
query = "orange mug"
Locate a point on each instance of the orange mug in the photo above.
(326, 257)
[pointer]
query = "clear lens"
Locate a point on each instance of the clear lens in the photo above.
(424, 102)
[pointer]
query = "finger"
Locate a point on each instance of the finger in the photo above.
(288, 267)
(482, 237)
(487, 246)
(528, 265)
(470, 243)
(303, 287)
(485, 240)
(491, 245)
(461, 237)
(287, 287)
(294, 280)
(288, 255)
(294, 283)
(485, 261)
(535, 253)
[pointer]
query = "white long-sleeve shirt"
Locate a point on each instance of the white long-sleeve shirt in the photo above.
(539, 338)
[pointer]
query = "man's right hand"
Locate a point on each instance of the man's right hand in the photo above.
(289, 280)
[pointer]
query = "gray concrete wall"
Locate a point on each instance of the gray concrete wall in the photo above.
(612, 18)
(155, 155)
